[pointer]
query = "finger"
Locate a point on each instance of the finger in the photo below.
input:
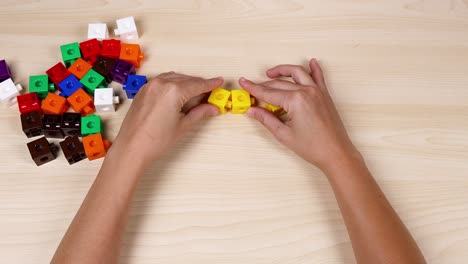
(192, 103)
(264, 93)
(166, 74)
(271, 122)
(197, 114)
(317, 73)
(179, 76)
(174, 76)
(282, 84)
(296, 72)
(200, 86)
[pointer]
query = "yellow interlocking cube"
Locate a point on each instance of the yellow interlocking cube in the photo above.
(274, 109)
(241, 101)
(219, 97)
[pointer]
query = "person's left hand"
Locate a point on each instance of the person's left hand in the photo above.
(164, 110)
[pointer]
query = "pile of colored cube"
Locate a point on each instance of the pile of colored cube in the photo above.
(79, 83)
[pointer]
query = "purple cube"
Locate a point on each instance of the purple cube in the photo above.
(121, 70)
(4, 71)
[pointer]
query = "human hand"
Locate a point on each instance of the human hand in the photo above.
(164, 110)
(313, 128)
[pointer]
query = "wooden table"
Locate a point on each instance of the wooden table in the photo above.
(230, 193)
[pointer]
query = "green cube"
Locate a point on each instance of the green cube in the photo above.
(90, 124)
(93, 80)
(40, 84)
(70, 52)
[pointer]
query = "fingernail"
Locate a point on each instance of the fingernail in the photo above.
(242, 79)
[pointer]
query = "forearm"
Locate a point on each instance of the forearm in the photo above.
(376, 232)
(96, 232)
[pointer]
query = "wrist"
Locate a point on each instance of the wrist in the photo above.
(344, 161)
(122, 159)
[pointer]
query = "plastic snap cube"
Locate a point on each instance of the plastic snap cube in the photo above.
(95, 147)
(90, 124)
(54, 104)
(79, 68)
(241, 101)
(90, 50)
(131, 53)
(70, 52)
(28, 102)
(81, 102)
(4, 71)
(126, 29)
(219, 97)
(111, 48)
(98, 31)
(104, 100)
(42, 151)
(121, 71)
(133, 85)
(93, 80)
(58, 73)
(9, 91)
(69, 85)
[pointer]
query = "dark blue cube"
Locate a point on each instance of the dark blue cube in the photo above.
(133, 85)
(69, 85)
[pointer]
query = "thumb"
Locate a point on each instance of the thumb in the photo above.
(197, 114)
(279, 130)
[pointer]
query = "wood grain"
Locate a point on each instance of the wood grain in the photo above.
(229, 193)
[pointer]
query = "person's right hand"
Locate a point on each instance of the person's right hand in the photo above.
(313, 128)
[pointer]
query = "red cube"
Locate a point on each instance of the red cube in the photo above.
(111, 48)
(90, 50)
(58, 73)
(28, 103)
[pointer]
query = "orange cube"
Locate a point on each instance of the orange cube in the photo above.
(80, 68)
(131, 53)
(95, 147)
(54, 104)
(81, 102)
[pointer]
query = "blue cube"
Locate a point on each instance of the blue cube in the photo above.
(133, 85)
(69, 85)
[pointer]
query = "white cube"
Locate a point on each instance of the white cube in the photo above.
(9, 91)
(104, 100)
(98, 31)
(126, 29)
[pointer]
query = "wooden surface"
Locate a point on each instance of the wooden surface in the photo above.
(229, 193)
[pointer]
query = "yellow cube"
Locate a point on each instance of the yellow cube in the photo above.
(274, 109)
(219, 97)
(241, 101)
